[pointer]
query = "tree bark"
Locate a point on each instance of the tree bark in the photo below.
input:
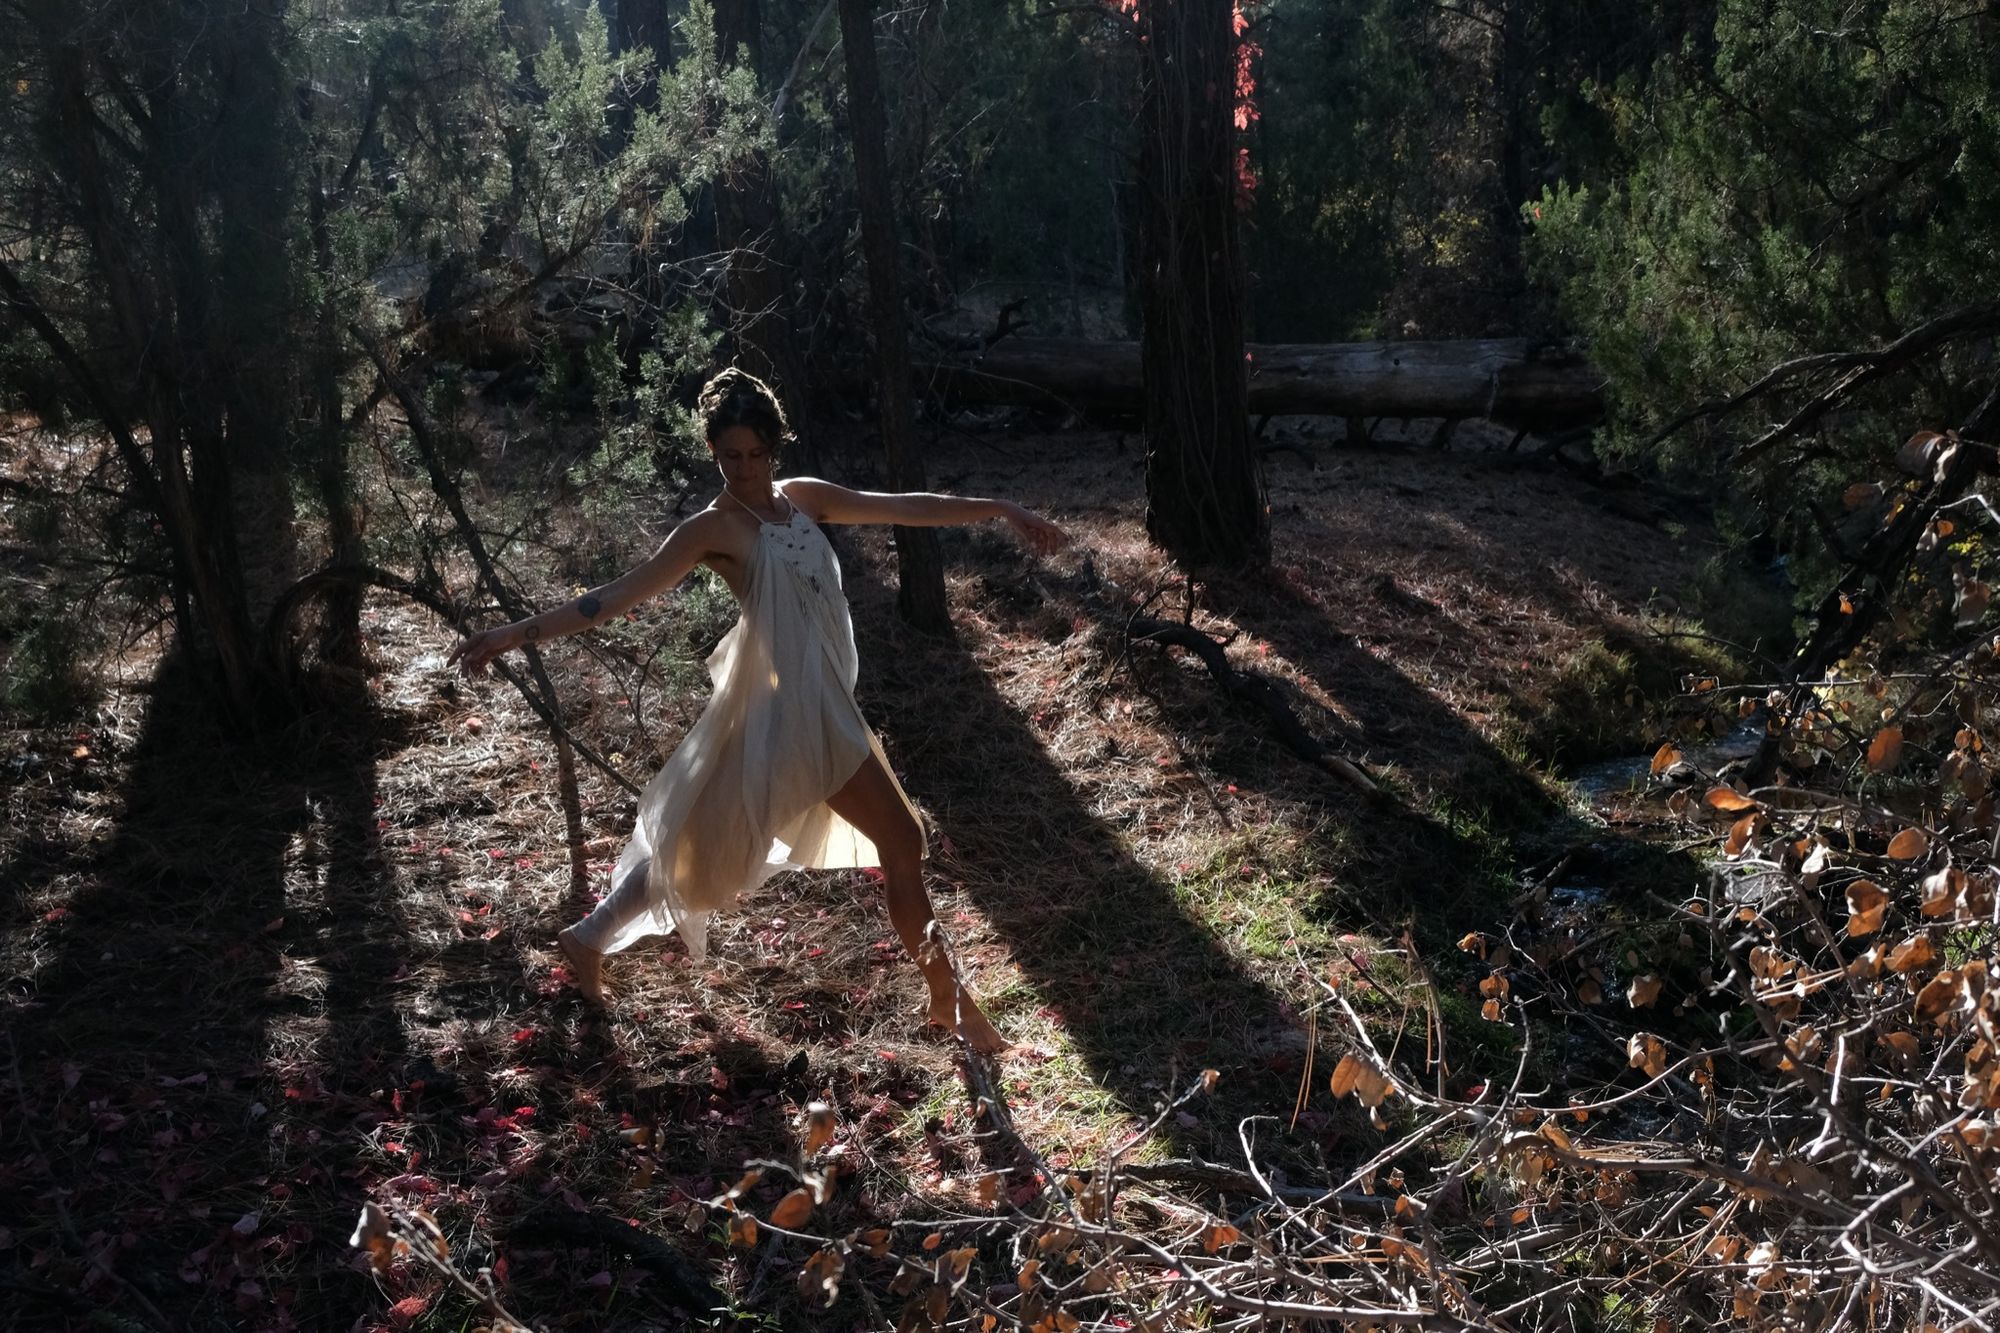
(920, 594)
(254, 364)
(1502, 379)
(1204, 488)
(750, 231)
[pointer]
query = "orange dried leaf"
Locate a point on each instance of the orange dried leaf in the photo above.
(1643, 991)
(1217, 1235)
(1908, 845)
(1344, 1075)
(1728, 800)
(1645, 1051)
(793, 1209)
(1866, 904)
(819, 1126)
(1885, 749)
(1941, 891)
(1665, 758)
(743, 1230)
(819, 1280)
(1913, 953)
(1939, 997)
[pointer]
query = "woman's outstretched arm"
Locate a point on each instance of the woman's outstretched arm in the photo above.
(685, 547)
(829, 503)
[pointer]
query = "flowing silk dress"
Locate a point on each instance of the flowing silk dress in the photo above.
(744, 795)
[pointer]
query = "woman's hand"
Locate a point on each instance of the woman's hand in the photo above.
(1040, 535)
(476, 650)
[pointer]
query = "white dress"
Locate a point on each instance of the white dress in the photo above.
(745, 794)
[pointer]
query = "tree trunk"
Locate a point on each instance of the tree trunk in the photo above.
(1501, 379)
(253, 362)
(340, 616)
(149, 310)
(750, 231)
(920, 596)
(1204, 490)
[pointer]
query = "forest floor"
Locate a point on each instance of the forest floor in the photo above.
(253, 985)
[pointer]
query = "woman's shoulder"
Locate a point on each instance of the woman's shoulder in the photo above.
(808, 493)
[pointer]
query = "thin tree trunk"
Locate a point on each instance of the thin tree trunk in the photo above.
(750, 230)
(253, 362)
(1204, 490)
(920, 596)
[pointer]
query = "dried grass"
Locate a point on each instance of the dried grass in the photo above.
(254, 985)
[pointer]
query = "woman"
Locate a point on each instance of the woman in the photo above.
(781, 769)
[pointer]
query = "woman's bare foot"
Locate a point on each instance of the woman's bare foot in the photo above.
(961, 1014)
(586, 967)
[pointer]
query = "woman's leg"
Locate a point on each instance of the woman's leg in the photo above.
(872, 804)
(585, 942)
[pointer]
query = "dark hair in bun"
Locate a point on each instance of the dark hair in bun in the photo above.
(738, 398)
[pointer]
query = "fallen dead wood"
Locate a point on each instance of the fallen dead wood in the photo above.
(684, 1284)
(1500, 379)
(1256, 690)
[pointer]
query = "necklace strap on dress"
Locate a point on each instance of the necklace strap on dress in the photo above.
(790, 508)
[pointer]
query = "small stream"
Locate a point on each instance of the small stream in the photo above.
(1597, 783)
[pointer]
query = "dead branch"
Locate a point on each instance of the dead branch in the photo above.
(1261, 693)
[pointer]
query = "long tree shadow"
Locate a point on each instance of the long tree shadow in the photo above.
(1106, 944)
(210, 1013)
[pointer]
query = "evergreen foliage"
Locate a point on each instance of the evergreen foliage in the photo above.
(1818, 177)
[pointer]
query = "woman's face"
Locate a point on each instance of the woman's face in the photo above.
(744, 458)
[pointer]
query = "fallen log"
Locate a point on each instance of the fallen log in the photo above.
(1512, 380)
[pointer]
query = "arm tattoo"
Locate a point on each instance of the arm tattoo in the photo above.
(589, 605)
(532, 632)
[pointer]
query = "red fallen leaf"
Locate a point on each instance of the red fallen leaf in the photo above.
(393, 1146)
(523, 1035)
(408, 1311)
